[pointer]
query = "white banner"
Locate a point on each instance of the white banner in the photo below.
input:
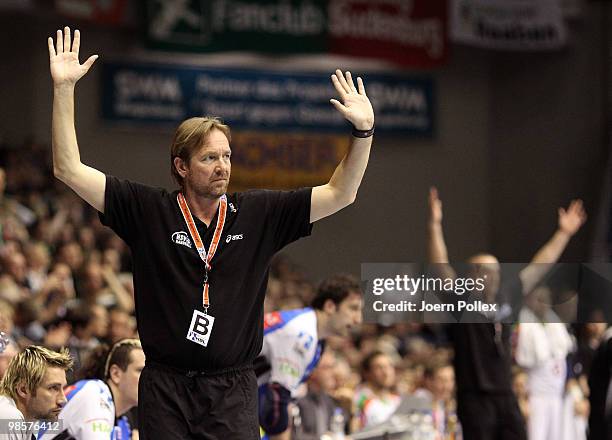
(508, 24)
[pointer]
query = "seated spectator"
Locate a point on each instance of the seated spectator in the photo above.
(38, 263)
(439, 388)
(11, 208)
(7, 356)
(376, 399)
(56, 295)
(89, 326)
(71, 255)
(346, 381)
(29, 322)
(100, 285)
(318, 406)
(7, 318)
(13, 282)
(121, 325)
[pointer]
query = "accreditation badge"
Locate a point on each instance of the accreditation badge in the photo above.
(200, 328)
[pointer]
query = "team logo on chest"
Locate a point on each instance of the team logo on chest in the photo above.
(181, 237)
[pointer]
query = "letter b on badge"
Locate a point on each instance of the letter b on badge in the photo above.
(200, 328)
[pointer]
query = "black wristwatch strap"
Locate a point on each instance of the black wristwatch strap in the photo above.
(363, 133)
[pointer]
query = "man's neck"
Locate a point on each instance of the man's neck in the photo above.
(322, 331)
(22, 408)
(203, 208)
(121, 406)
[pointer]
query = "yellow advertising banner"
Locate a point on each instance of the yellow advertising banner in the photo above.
(284, 160)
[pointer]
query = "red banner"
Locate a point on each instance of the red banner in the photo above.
(409, 32)
(114, 12)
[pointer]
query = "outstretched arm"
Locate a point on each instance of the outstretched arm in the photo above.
(341, 189)
(437, 245)
(570, 221)
(66, 70)
(437, 251)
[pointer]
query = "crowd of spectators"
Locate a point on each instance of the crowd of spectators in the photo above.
(65, 281)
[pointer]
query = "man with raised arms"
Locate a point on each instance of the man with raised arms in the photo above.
(486, 404)
(199, 296)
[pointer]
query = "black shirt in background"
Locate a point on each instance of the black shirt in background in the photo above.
(483, 353)
(168, 276)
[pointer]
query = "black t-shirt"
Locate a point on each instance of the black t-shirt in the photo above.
(483, 353)
(482, 357)
(168, 272)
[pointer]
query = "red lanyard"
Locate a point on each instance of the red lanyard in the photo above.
(206, 257)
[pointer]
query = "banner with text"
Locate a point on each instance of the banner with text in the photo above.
(412, 33)
(508, 24)
(290, 160)
(257, 100)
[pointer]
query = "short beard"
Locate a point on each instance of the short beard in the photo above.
(51, 416)
(208, 193)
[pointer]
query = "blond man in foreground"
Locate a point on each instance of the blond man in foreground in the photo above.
(32, 391)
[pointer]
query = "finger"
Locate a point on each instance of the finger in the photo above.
(87, 64)
(338, 86)
(561, 212)
(341, 108)
(60, 42)
(360, 86)
(67, 39)
(51, 47)
(342, 80)
(76, 44)
(575, 206)
(349, 80)
(433, 193)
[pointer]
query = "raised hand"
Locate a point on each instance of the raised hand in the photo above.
(435, 206)
(355, 105)
(573, 218)
(64, 58)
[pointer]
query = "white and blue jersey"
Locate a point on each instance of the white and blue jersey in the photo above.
(291, 347)
(89, 414)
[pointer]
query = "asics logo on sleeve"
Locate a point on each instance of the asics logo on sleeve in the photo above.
(181, 237)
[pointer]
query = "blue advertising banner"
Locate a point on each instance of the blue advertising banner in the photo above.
(257, 100)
